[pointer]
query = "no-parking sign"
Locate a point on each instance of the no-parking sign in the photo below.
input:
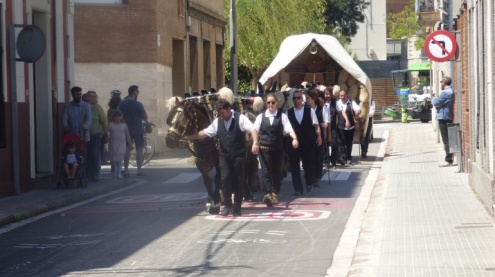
(440, 46)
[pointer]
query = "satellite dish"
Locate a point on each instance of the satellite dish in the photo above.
(30, 44)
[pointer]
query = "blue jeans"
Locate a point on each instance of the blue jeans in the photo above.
(93, 156)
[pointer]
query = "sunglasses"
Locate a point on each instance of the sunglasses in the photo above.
(270, 102)
(296, 97)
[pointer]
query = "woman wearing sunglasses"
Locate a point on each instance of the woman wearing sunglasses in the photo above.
(270, 126)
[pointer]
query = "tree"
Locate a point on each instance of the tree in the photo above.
(342, 16)
(263, 25)
(403, 25)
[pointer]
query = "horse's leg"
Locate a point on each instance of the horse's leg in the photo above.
(207, 181)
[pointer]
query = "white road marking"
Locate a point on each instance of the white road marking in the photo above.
(183, 178)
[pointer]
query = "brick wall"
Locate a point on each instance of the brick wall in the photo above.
(383, 92)
(462, 26)
(127, 32)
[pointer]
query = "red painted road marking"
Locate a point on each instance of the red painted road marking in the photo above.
(270, 215)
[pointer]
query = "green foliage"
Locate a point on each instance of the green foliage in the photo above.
(243, 78)
(404, 25)
(262, 26)
(342, 16)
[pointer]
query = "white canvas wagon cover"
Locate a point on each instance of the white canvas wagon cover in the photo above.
(296, 45)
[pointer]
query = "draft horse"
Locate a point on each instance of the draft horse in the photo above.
(188, 117)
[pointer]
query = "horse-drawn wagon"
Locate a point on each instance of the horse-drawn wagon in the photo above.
(321, 59)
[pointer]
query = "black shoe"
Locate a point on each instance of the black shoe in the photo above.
(309, 188)
(317, 184)
(349, 162)
(214, 208)
(225, 211)
(237, 210)
(267, 200)
(341, 161)
(364, 156)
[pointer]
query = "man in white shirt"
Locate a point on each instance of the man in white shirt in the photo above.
(230, 128)
(305, 124)
(367, 137)
(347, 111)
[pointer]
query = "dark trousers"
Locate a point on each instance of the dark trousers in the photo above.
(306, 154)
(345, 143)
(93, 153)
(232, 174)
(334, 147)
(319, 155)
(442, 125)
(271, 168)
(367, 137)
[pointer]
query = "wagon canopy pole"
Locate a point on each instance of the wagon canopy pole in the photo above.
(233, 45)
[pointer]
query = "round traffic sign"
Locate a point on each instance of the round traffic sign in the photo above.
(440, 46)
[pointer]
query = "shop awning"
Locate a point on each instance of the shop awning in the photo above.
(419, 66)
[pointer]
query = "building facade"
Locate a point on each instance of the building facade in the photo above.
(167, 48)
(475, 77)
(37, 72)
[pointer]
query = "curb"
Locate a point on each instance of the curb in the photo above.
(58, 201)
(346, 248)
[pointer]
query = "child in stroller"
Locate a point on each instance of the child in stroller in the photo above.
(71, 159)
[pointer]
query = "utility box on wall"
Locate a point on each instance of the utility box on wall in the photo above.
(454, 137)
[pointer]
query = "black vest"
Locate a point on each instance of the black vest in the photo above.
(305, 131)
(333, 114)
(319, 114)
(271, 135)
(350, 115)
(232, 141)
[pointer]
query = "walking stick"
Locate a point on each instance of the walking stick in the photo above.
(327, 161)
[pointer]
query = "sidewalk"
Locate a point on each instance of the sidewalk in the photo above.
(413, 218)
(36, 202)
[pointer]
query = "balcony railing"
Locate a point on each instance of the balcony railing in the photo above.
(426, 6)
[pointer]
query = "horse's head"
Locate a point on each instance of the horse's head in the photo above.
(176, 122)
(185, 117)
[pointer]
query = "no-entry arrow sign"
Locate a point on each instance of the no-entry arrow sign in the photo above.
(440, 46)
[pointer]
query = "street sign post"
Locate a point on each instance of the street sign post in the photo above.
(440, 46)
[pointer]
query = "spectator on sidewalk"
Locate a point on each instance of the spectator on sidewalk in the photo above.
(230, 128)
(77, 115)
(367, 137)
(445, 115)
(96, 131)
(134, 115)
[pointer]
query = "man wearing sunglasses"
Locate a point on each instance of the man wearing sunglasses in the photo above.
(305, 124)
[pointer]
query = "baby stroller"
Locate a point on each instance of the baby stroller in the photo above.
(79, 177)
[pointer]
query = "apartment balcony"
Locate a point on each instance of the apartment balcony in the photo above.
(429, 12)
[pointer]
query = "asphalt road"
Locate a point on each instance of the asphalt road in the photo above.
(159, 227)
